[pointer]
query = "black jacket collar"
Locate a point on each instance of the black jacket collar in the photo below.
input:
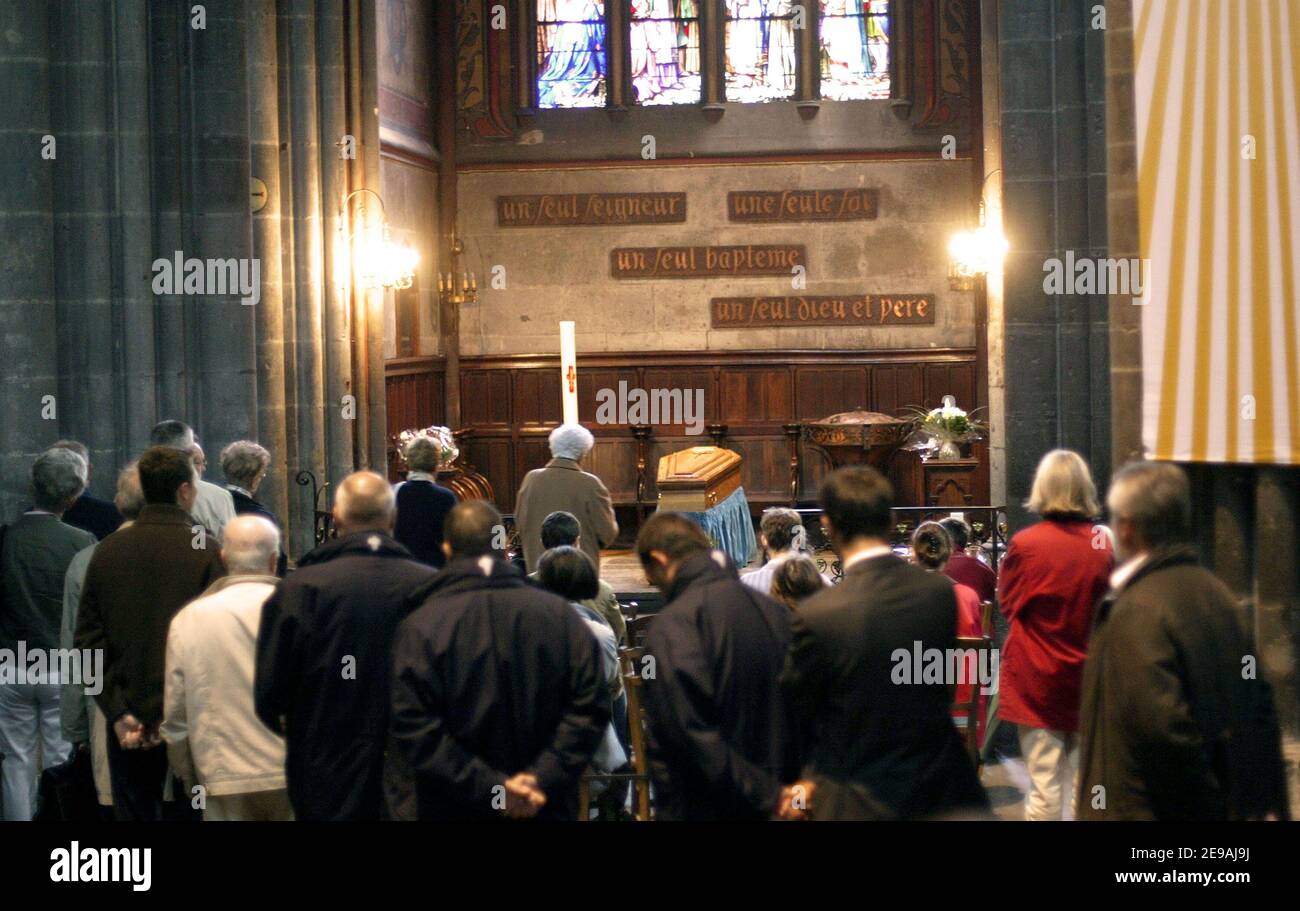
(702, 569)
(465, 574)
(361, 543)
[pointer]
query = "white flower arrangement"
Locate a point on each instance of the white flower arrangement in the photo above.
(442, 437)
(940, 431)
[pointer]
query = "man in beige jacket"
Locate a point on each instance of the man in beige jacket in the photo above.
(563, 485)
(215, 742)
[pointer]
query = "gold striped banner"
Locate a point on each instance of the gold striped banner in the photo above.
(1217, 93)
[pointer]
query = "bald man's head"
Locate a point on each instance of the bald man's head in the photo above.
(472, 529)
(250, 546)
(364, 502)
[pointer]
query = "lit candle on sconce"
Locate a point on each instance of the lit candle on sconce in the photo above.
(569, 371)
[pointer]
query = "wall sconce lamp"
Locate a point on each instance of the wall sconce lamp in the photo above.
(457, 288)
(973, 254)
(378, 260)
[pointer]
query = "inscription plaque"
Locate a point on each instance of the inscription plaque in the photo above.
(759, 206)
(850, 310)
(706, 262)
(552, 210)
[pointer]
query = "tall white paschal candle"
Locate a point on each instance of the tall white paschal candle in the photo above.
(569, 372)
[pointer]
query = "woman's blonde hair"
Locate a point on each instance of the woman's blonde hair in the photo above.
(1063, 487)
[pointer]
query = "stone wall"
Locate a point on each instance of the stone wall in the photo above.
(564, 272)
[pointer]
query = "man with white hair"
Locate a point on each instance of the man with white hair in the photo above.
(213, 506)
(1177, 720)
(214, 737)
(34, 554)
(323, 655)
(563, 485)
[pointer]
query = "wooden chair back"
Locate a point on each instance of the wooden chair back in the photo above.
(974, 655)
(631, 661)
(637, 628)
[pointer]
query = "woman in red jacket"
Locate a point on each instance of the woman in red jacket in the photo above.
(1049, 584)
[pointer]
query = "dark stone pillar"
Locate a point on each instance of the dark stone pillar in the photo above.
(1054, 202)
(160, 127)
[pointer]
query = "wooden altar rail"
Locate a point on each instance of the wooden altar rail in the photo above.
(751, 401)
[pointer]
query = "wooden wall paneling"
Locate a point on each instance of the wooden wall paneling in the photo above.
(537, 399)
(823, 391)
(485, 399)
(895, 387)
(688, 379)
(957, 380)
(614, 462)
(414, 400)
(512, 402)
(592, 380)
(493, 455)
(755, 395)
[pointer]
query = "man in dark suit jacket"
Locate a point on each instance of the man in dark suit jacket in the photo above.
(137, 580)
(324, 656)
(499, 702)
(876, 733)
(721, 742)
(1173, 726)
(90, 513)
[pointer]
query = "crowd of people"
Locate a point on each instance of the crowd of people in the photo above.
(408, 669)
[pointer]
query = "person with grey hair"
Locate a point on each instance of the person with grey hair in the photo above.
(323, 653)
(214, 737)
(562, 485)
(1049, 583)
(1177, 721)
(422, 503)
(245, 464)
(213, 505)
(34, 555)
(89, 512)
(81, 719)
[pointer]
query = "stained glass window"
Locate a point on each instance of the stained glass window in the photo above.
(570, 53)
(855, 49)
(760, 50)
(666, 51)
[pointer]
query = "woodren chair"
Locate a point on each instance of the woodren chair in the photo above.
(973, 651)
(637, 627)
(631, 662)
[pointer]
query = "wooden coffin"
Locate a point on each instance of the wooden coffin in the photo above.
(698, 478)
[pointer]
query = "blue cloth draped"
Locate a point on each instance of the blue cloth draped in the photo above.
(729, 526)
